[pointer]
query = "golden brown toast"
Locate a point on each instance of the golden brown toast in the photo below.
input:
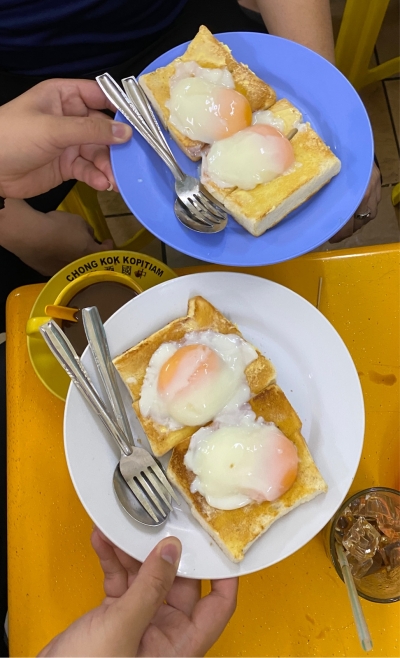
(207, 52)
(259, 209)
(263, 207)
(132, 366)
(235, 530)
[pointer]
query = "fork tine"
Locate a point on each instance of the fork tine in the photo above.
(218, 204)
(211, 214)
(163, 479)
(141, 498)
(158, 487)
(196, 212)
(202, 211)
(212, 207)
(150, 493)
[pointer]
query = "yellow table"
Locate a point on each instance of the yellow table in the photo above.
(298, 607)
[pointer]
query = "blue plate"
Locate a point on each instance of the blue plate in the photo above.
(333, 108)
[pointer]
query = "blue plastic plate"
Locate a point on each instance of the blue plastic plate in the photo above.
(333, 108)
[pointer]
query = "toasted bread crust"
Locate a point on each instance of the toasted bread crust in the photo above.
(264, 206)
(132, 366)
(207, 52)
(235, 530)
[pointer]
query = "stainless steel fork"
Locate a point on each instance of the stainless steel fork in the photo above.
(139, 469)
(205, 210)
(98, 344)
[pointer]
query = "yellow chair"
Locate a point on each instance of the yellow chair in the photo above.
(82, 200)
(361, 22)
(396, 194)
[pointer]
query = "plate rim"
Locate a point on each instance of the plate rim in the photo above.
(357, 391)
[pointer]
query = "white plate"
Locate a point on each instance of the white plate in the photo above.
(314, 370)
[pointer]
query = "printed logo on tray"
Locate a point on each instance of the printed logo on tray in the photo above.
(121, 264)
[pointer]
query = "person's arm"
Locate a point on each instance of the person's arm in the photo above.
(147, 610)
(54, 132)
(307, 22)
(46, 241)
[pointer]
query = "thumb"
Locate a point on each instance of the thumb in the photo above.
(76, 131)
(137, 607)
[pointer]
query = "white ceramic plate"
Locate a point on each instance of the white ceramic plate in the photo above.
(314, 370)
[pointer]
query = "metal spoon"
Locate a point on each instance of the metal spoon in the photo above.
(130, 503)
(98, 344)
(182, 213)
(66, 356)
(203, 208)
(184, 216)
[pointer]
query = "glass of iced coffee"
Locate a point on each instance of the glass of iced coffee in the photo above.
(367, 525)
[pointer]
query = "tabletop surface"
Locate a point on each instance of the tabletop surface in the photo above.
(298, 607)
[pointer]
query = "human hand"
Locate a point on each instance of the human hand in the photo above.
(368, 206)
(147, 610)
(55, 132)
(46, 241)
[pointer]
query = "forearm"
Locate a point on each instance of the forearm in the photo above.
(307, 22)
(45, 241)
(19, 222)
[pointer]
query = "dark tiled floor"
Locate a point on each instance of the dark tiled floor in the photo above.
(382, 102)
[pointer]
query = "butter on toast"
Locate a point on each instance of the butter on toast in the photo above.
(259, 209)
(207, 52)
(235, 530)
(132, 366)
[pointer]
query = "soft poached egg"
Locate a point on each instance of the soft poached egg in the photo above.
(253, 156)
(240, 459)
(204, 104)
(189, 382)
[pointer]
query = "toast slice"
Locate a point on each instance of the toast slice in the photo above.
(259, 209)
(236, 530)
(207, 52)
(132, 366)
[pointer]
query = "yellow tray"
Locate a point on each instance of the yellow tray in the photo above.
(298, 607)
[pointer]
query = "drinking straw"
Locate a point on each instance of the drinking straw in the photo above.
(361, 624)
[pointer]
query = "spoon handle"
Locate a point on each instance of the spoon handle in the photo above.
(139, 98)
(97, 339)
(120, 100)
(67, 357)
(61, 312)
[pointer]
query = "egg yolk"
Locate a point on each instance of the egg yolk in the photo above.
(235, 111)
(237, 464)
(189, 365)
(285, 147)
(285, 464)
(280, 469)
(250, 157)
(289, 477)
(208, 112)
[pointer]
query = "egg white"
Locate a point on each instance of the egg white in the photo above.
(266, 117)
(235, 460)
(220, 77)
(192, 92)
(244, 160)
(199, 405)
